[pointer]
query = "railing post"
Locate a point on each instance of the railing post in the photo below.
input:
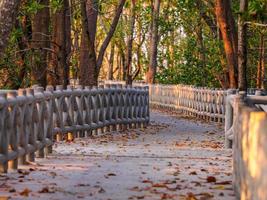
(50, 104)
(3, 133)
(59, 104)
(12, 130)
(228, 117)
(30, 157)
(23, 127)
(39, 129)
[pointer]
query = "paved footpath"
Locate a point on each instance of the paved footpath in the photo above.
(174, 158)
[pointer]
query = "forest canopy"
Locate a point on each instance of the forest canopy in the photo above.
(208, 43)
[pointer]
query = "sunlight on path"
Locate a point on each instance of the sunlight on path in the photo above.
(174, 158)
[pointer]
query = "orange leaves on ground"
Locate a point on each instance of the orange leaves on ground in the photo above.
(25, 192)
(211, 179)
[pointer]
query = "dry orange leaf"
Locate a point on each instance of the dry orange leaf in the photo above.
(211, 179)
(25, 192)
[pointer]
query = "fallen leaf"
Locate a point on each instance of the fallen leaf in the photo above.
(160, 185)
(25, 192)
(190, 196)
(46, 190)
(12, 190)
(219, 187)
(111, 174)
(211, 179)
(224, 183)
(147, 181)
(24, 172)
(82, 185)
(193, 173)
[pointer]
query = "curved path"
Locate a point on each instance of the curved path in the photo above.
(174, 158)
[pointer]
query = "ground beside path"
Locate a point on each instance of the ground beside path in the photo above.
(174, 158)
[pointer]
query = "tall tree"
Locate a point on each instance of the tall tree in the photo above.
(226, 24)
(41, 43)
(8, 13)
(61, 45)
(154, 42)
(90, 63)
(129, 55)
(242, 46)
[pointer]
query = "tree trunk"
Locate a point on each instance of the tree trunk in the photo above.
(89, 63)
(111, 62)
(226, 24)
(154, 43)
(261, 68)
(61, 45)
(88, 69)
(129, 54)
(23, 43)
(8, 14)
(242, 46)
(40, 42)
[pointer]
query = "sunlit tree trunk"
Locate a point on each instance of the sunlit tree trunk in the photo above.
(150, 76)
(8, 13)
(261, 67)
(40, 43)
(226, 24)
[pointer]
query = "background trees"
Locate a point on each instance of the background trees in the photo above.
(197, 42)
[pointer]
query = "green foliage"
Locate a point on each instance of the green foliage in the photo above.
(32, 7)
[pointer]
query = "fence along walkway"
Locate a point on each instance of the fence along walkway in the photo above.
(31, 118)
(204, 103)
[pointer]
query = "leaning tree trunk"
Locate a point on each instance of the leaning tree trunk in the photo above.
(8, 13)
(226, 24)
(242, 46)
(154, 43)
(40, 43)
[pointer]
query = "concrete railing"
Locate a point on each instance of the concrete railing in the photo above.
(232, 113)
(200, 102)
(249, 135)
(203, 103)
(30, 119)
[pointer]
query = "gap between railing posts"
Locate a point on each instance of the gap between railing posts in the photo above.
(31, 119)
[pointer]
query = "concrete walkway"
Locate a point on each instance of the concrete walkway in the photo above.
(174, 158)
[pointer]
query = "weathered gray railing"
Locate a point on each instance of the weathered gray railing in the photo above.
(30, 119)
(248, 117)
(200, 102)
